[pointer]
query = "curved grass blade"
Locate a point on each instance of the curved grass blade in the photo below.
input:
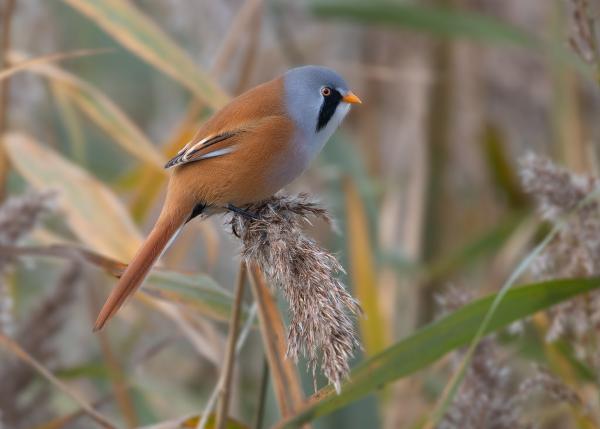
(44, 59)
(198, 291)
(456, 380)
(458, 376)
(92, 211)
(135, 31)
(101, 110)
(439, 338)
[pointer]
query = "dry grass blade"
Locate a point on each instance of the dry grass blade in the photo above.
(198, 294)
(101, 110)
(237, 29)
(62, 251)
(128, 25)
(7, 15)
(92, 211)
(363, 272)
(16, 350)
(288, 389)
(168, 309)
(50, 58)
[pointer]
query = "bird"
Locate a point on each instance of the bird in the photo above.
(246, 152)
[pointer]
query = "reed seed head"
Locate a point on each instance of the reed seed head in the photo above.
(321, 326)
(575, 251)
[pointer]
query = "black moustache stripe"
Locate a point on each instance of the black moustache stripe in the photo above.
(330, 103)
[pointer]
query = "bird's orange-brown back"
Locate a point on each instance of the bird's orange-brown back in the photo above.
(240, 177)
(264, 100)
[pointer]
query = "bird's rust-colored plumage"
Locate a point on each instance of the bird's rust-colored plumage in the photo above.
(252, 167)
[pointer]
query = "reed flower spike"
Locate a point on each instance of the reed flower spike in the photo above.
(321, 325)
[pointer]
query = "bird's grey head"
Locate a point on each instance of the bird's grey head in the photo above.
(317, 99)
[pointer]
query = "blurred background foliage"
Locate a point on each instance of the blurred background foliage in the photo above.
(422, 178)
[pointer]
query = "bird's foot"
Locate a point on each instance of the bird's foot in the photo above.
(242, 212)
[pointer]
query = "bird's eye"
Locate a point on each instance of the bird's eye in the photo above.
(326, 91)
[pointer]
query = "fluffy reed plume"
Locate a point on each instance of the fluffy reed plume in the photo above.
(321, 308)
(18, 216)
(489, 396)
(583, 29)
(482, 400)
(37, 336)
(575, 252)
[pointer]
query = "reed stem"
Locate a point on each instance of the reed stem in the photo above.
(262, 395)
(225, 384)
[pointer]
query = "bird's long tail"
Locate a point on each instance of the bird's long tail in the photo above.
(165, 230)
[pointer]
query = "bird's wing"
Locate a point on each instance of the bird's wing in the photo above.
(221, 134)
(209, 147)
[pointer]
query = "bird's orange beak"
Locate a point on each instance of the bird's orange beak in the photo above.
(351, 98)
